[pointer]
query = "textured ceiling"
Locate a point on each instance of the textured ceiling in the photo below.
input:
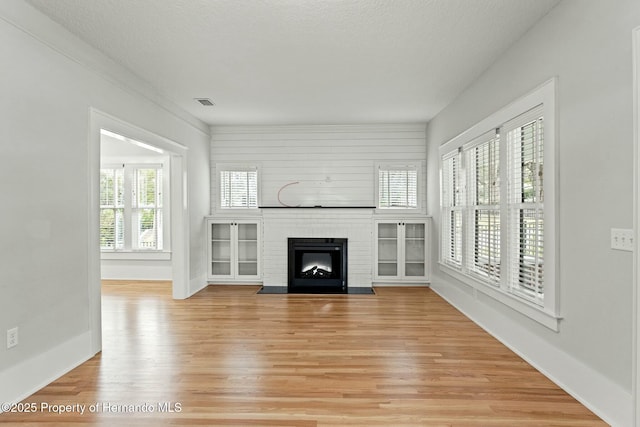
(303, 61)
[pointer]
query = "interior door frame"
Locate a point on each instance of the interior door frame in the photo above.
(636, 223)
(179, 211)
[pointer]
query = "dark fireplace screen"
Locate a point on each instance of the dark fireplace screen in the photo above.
(317, 265)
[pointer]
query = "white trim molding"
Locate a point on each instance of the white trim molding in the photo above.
(317, 129)
(636, 224)
(22, 380)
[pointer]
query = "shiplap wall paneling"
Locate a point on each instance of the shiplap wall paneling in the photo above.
(333, 165)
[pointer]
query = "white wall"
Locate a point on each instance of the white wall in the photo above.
(587, 45)
(334, 164)
(138, 268)
(48, 82)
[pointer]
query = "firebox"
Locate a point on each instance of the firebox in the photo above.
(317, 265)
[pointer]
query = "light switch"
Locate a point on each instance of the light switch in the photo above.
(622, 239)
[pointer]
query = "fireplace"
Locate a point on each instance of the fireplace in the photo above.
(317, 265)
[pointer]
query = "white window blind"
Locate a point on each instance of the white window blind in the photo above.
(526, 204)
(398, 188)
(482, 161)
(239, 189)
(451, 205)
(147, 208)
(112, 208)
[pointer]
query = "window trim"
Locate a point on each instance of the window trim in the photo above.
(418, 166)
(243, 167)
(548, 313)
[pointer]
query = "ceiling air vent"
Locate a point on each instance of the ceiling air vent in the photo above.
(206, 102)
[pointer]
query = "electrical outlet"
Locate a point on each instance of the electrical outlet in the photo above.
(12, 337)
(622, 239)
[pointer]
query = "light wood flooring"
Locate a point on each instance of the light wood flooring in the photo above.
(227, 356)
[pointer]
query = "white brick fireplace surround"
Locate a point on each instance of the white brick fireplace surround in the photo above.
(356, 225)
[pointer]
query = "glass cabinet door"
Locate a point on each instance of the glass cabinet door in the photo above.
(387, 249)
(414, 249)
(220, 249)
(247, 249)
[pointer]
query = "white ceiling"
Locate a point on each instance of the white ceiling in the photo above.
(303, 61)
(114, 147)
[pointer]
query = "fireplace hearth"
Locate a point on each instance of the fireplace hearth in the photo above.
(317, 265)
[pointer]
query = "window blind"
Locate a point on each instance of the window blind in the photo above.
(451, 206)
(398, 188)
(482, 162)
(239, 189)
(147, 208)
(112, 208)
(525, 205)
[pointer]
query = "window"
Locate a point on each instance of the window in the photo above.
(398, 187)
(112, 208)
(525, 206)
(482, 164)
(495, 206)
(239, 189)
(451, 202)
(131, 207)
(147, 208)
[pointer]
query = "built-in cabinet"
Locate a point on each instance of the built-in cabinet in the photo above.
(401, 250)
(234, 250)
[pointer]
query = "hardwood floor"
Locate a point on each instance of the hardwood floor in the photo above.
(227, 356)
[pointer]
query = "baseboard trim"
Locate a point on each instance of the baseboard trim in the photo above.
(602, 396)
(22, 380)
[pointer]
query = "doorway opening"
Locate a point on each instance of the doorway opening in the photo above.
(135, 215)
(146, 226)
